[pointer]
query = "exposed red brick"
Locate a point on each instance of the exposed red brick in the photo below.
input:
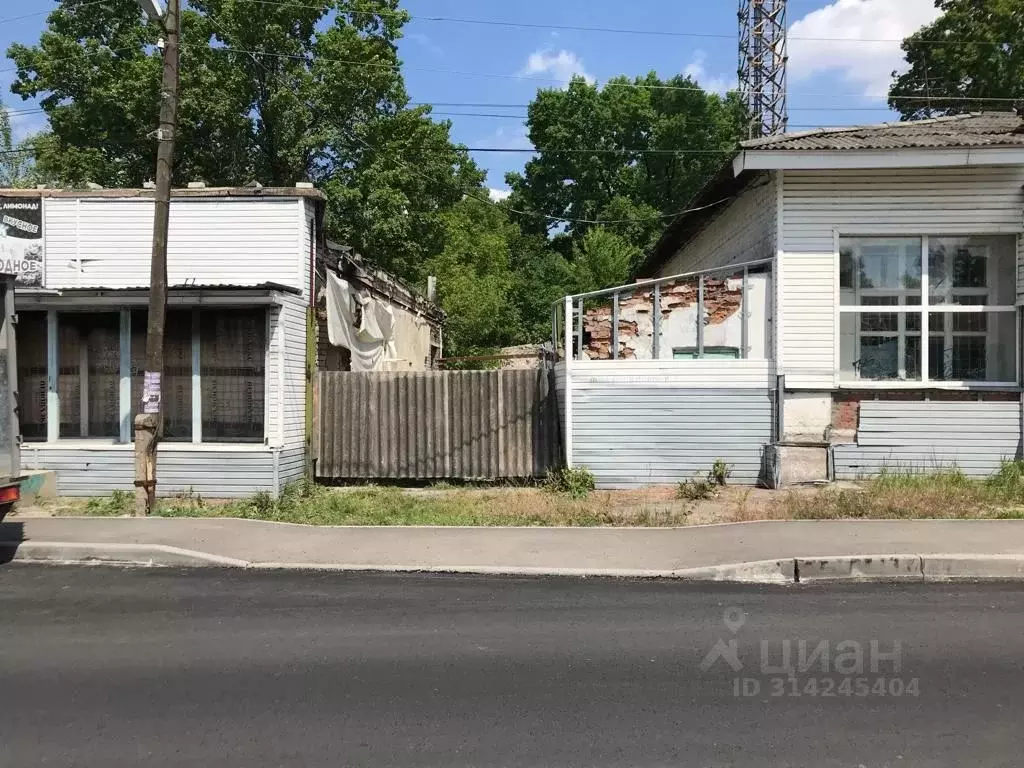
(845, 414)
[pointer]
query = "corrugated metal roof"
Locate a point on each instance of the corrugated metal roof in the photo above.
(251, 191)
(979, 129)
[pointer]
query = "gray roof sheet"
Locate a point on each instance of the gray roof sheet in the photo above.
(978, 129)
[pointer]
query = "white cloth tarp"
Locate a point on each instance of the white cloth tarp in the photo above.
(387, 338)
(367, 355)
(378, 321)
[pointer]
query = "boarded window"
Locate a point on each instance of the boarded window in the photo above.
(89, 373)
(31, 334)
(176, 385)
(233, 346)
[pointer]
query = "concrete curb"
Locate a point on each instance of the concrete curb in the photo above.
(150, 555)
(864, 567)
(889, 567)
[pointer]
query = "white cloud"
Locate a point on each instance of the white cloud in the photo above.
(867, 66)
(560, 66)
(427, 42)
(509, 137)
(720, 84)
(497, 195)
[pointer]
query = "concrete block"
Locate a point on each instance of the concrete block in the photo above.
(800, 464)
(38, 484)
(807, 415)
(947, 567)
(759, 572)
(861, 567)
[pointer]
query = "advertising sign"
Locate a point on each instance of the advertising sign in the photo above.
(21, 239)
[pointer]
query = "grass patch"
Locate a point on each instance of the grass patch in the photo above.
(574, 482)
(310, 504)
(900, 495)
(117, 504)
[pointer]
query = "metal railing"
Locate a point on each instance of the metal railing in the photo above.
(574, 309)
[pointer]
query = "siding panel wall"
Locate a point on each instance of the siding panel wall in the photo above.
(107, 243)
(925, 436)
(640, 423)
(675, 374)
(292, 327)
(744, 230)
(291, 466)
(952, 201)
(220, 473)
(638, 436)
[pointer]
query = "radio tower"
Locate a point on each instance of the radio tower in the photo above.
(762, 72)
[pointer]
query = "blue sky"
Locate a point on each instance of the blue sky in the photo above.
(837, 80)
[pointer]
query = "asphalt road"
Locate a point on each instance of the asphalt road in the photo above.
(109, 667)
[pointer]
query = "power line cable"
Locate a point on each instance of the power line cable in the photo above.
(548, 217)
(614, 30)
(607, 84)
(44, 13)
(530, 78)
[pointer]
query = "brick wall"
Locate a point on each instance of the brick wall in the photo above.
(722, 299)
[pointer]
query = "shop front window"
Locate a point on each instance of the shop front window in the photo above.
(968, 309)
(232, 346)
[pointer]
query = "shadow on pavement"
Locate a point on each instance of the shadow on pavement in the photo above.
(11, 535)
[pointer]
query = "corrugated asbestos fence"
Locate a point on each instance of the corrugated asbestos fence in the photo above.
(427, 425)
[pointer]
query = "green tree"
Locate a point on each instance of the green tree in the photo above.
(274, 92)
(656, 143)
(475, 279)
(983, 59)
(542, 277)
(390, 199)
(602, 259)
(15, 157)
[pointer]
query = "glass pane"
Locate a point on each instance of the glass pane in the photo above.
(960, 299)
(973, 347)
(891, 357)
(879, 323)
(233, 345)
(176, 387)
(31, 333)
(89, 378)
(972, 270)
(873, 266)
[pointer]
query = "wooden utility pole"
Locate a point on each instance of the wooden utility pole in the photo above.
(149, 422)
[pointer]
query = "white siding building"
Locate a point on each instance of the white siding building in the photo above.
(235, 383)
(893, 260)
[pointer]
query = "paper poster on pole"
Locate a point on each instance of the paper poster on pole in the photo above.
(21, 239)
(151, 392)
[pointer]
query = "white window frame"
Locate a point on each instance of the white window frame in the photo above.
(924, 309)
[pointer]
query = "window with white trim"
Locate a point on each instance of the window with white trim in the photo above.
(968, 309)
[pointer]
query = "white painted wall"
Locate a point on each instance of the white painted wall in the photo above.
(819, 204)
(807, 415)
(744, 230)
(689, 374)
(107, 242)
